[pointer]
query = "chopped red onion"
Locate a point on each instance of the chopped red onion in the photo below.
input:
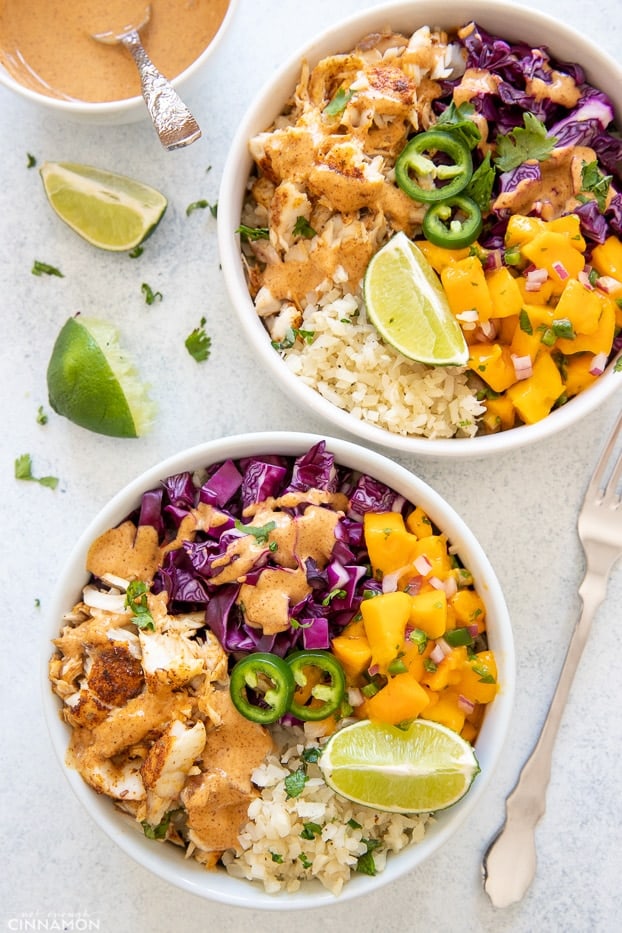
(608, 285)
(422, 565)
(373, 670)
(583, 276)
(444, 646)
(466, 705)
(436, 582)
(599, 362)
(523, 366)
(535, 279)
(473, 630)
(561, 270)
(451, 586)
(355, 697)
(437, 654)
(488, 329)
(390, 580)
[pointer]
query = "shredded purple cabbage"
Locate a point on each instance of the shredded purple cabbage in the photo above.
(337, 589)
(589, 123)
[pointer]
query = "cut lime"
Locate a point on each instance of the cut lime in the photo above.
(423, 768)
(92, 382)
(109, 210)
(406, 303)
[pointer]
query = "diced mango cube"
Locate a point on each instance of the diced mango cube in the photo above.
(504, 292)
(601, 340)
(438, 257)
(466, 288)
(402, 699)
(534, 397)
(419, 524)
(493, 363)
(580, 305)
(429, 612)
(607, 258)
(389, 543)
(352, 650)
(521, 229)
(500, 414)
(446, 711)
(555, 253)
(469, 608)
(385, 618)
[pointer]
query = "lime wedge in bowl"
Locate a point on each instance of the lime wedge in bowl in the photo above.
(92, 382)
(406, 303)
(423, 768)
(108, 210)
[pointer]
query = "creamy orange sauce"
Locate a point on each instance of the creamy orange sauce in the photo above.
(47, 45)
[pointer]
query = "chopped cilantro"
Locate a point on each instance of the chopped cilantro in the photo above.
(456, 120)
(311, 755)
(291, 335)
(303, 228)
(159, 831)
(595, 182)
(618, 365)
(259, 532)
(276, 858)
(365, 864)
(310, 830)
(523, 144)
(353, 824)
(524, 322)
(30, 160)
(339, 103)
(253, 233)
(43, 268)
(136, 602)
(334, 594)
(201, 205)
(198, 343)
(42, 418)
(37, 603)
(23, 470)
(306, 862)
(479, 187)
(136, 252)
(295, 782)
(150, 295)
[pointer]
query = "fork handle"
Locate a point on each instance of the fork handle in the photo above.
(173, 122)
(509, 865)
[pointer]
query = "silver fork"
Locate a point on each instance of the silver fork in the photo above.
(509, 865)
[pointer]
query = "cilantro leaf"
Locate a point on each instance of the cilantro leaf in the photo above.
(253, 233)
(150, 295)
(595, 182)
(158, 831)
(136, 602)
(259, 532)
(201, 205)
(303, 228)
(295, 782)
(23, 470)
(525, 143)
(338, 104)
(456, 120)
(198, 343)
(479, 187)
(43, 268)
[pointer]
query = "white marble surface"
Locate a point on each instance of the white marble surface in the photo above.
(56, 863)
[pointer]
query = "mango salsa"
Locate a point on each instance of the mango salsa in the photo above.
(418, 648)
(534, 325)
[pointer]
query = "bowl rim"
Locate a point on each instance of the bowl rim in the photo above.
(170, 865)
(126, 105)
(266, 106)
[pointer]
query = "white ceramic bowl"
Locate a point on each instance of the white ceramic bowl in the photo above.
(166, 861)
(119, 112)
(501, 18)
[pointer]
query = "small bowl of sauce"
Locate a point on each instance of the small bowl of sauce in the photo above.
(48, 55)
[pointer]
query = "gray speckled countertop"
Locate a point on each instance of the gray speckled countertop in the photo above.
(56, 864)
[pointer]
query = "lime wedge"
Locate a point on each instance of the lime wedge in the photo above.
(109, 210)
(423, 768)
(406, 303)
(92, 382)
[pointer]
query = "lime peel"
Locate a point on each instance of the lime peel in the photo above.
(406, 303)
(109, 210)
(93, 382)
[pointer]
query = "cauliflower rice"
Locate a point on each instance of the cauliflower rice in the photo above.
(315, 835)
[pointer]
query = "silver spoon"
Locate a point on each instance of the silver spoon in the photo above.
(172, 120)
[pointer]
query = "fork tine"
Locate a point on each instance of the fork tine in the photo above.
(597, 484)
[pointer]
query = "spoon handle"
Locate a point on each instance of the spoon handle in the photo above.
(172, 120)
